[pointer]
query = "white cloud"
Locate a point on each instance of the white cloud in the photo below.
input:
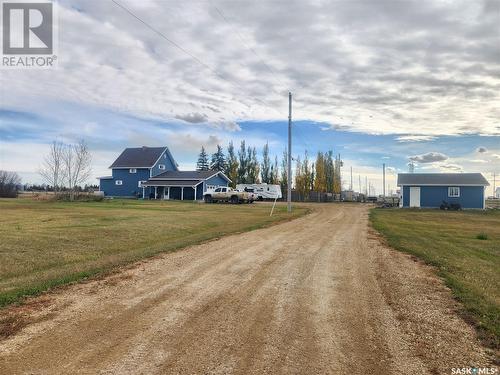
(415, 138)
(429, 157)
(415, 69)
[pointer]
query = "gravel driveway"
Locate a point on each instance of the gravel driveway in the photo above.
(317, 295)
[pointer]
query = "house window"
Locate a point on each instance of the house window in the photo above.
(139, 184)
(132, 170)
(118, 182)
(453, 191)
(161, 166)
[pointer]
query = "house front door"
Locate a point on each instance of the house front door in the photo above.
(166, 192)
(414, 196)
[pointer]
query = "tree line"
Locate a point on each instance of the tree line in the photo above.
(245, 167)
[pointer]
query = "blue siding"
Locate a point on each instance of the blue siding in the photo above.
(130, 183)
(406, 196)
(216, 180)
(432, 196)
(199, 191)
(165, 160)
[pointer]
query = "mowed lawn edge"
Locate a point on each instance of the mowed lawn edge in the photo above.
(200, 227)
(452, 243)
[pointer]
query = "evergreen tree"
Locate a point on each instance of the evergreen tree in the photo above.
(202, 163)
(218, 160)
(265, 169)
(242, 164)
(232, 165)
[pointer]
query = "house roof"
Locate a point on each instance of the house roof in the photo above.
(138, 157)
(187, 175)
(459, 179)
(189, 183)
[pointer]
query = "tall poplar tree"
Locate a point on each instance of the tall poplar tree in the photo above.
(232, 165)
(265, 169)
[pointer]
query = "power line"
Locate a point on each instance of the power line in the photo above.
(179, 47)
(248, 47)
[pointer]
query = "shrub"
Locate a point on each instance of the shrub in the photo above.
(482, 236)
(9, 184)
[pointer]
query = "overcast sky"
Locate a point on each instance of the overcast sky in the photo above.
(377, 81)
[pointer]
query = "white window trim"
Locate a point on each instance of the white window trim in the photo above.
(118, 182)
(161, 166)
(132, 170)
(450, 195)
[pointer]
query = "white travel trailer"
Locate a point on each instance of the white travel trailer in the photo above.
(262, 191)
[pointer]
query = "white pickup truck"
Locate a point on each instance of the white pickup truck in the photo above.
(226, 194)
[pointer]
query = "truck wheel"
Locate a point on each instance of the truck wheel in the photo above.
(234, 199)
(208, 199)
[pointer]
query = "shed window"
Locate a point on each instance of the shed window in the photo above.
(118, 182)
(453, 191)
(161, 166)
(132, 170)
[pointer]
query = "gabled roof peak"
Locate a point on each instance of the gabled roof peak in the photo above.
(139, 157)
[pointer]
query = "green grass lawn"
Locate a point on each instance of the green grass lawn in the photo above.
(44, 244)
(465, 248)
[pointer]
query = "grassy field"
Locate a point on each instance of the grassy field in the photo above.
(465, 248)
(45, 244)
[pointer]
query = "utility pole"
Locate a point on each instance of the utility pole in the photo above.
(289, 173)
(383, 180)
(351, 187)
(359, 183)
(366, 185)
(494, 184)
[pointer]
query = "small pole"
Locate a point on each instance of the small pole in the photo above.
(383, 190)
(494, 184)
(289, 172)
(351, 187)
(274, 204)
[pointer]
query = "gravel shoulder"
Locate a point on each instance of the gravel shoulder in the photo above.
(320, 294)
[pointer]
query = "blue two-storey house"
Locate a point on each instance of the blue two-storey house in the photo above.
(151, 172)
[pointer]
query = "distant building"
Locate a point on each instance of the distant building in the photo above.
(429, 190)
(151, 172)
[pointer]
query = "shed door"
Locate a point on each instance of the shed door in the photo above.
(414, 196)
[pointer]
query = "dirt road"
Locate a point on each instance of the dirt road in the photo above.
(318, 295)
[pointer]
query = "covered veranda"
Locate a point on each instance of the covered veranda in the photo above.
(173, 189)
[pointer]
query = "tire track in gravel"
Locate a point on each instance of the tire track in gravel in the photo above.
(316, 295)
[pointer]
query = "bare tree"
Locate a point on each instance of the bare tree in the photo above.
(77, 168)
(52, 166)
(9, 184)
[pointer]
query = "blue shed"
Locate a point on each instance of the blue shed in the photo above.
(429, 190)
(151, 172)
